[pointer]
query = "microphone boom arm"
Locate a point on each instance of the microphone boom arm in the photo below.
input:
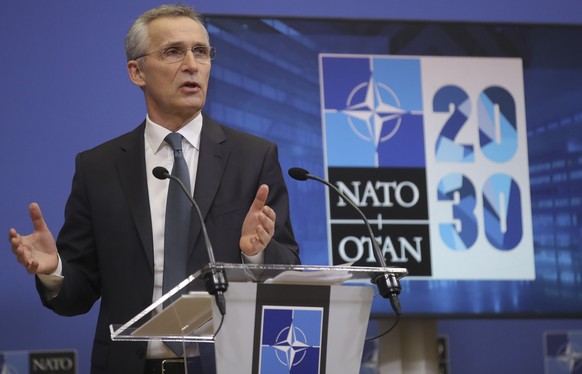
(215, 280)
(377, 251)
(388, 283)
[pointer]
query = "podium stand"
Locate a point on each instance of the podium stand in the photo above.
(279, 318)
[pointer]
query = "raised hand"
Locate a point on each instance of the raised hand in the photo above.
(37, 252)
(259, 224)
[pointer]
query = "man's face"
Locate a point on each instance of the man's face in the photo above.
(174, 92)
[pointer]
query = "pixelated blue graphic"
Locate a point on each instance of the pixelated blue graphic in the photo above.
(14, 363)
(447, 149)
(337, 83)
(563, 353)
(502, 210)
(344, 149)
(459, 190)
(373, 115)
(497, 124)
(291, 340)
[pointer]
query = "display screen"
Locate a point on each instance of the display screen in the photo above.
(266, 80)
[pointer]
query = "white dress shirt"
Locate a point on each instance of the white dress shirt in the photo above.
(160, 153)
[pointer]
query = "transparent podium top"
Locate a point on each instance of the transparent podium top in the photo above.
(177, 322)
(265, 272)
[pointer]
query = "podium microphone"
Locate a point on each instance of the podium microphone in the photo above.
(215, 280)
(388, 284)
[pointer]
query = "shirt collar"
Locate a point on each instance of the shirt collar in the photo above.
(155, 133)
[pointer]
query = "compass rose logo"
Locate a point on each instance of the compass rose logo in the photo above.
(291, 340)
(570, 355)
(563, 352)
(291, 346)
(372, 112)
(377, 107)
(5, 367)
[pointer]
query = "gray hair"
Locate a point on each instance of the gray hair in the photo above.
(137, 38)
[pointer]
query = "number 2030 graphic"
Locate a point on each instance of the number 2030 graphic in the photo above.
(501, 209)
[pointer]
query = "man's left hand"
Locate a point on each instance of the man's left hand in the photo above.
(259, 224)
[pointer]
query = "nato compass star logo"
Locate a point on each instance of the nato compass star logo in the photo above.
(291, 340)
(571, 356)
(376, 106)
(5, 368)
(564, 353)
(291, 346)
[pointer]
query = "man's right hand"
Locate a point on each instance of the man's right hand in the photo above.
(37, 251)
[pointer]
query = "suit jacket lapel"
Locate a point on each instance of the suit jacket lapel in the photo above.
(132, 174)
(211, 163)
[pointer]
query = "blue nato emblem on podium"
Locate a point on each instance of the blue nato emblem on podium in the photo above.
(291, 340)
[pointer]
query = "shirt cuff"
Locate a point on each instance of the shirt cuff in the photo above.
(259, 258)
(53, 282)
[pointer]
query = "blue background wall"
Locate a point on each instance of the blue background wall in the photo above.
(64, 88)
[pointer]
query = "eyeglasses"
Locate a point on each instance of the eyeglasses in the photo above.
(202, 54)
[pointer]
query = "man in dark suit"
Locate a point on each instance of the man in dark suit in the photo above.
(111, 245)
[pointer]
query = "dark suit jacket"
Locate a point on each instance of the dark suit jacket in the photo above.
(106, 241)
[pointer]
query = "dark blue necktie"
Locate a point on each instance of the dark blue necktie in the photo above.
(178, 212)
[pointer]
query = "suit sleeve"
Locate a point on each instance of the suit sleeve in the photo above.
(282, 249)
(75, 242)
